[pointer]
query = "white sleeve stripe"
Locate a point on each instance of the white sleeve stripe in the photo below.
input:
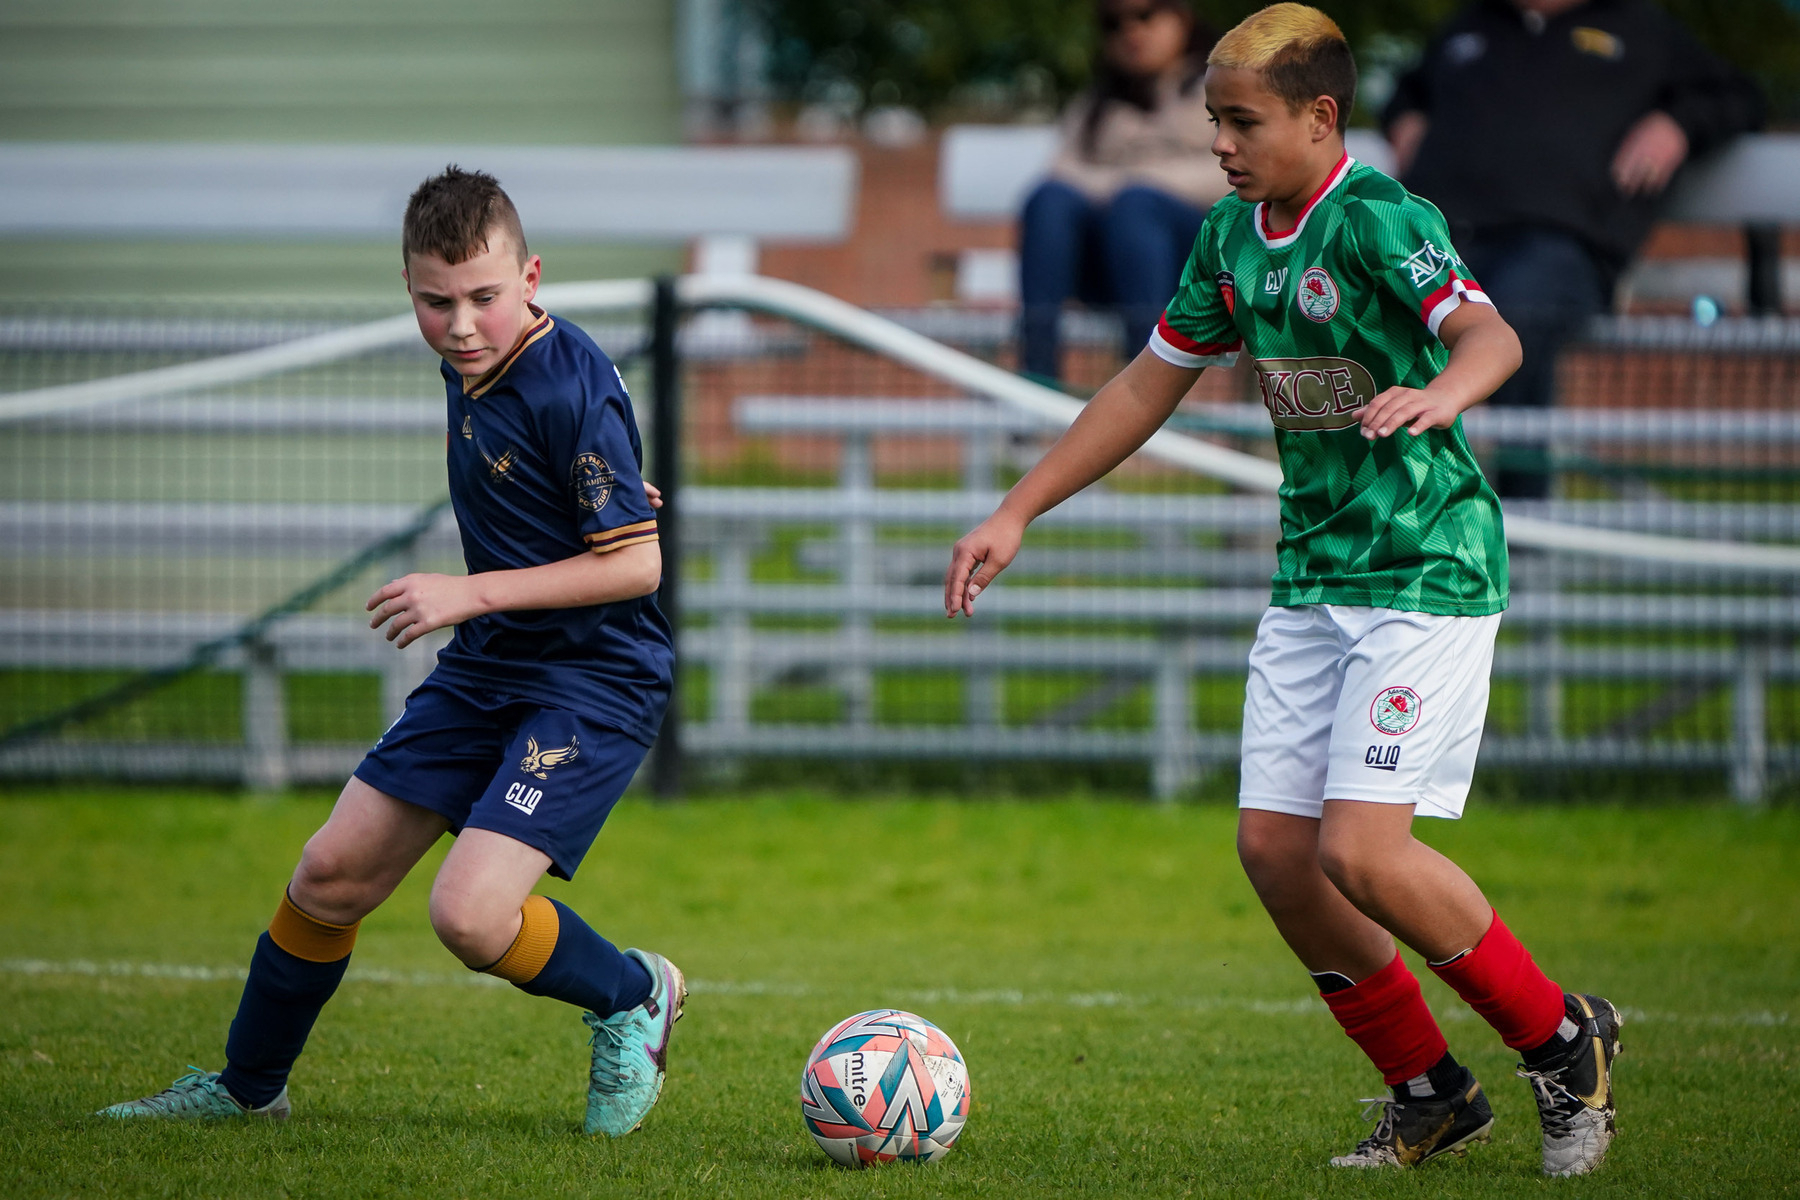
(1460, 291)
(1177, 357)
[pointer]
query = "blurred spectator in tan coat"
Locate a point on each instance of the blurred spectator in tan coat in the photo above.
(1114, 223)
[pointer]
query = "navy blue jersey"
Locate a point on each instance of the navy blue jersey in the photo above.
(545, 463)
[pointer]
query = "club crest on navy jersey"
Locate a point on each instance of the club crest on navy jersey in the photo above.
(592, 480)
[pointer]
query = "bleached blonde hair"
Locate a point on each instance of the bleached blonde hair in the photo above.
(1299, 51)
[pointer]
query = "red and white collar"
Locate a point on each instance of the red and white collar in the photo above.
(1276, 241)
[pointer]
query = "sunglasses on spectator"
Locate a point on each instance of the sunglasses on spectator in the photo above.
(1118, 19)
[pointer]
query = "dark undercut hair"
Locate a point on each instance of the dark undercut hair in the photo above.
(453, 216)
(1300, 52)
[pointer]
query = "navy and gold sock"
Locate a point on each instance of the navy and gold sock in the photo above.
(297, 966)
(558, 955)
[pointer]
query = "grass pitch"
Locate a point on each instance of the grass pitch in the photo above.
(1132, 1024)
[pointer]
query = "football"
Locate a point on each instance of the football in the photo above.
(885, 1085)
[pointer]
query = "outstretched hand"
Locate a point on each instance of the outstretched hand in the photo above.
(977, 558)
(414, 605)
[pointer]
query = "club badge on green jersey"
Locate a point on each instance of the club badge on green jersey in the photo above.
(1318, 295)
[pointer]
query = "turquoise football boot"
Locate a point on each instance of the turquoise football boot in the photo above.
(197, 1096)
(631, 1051)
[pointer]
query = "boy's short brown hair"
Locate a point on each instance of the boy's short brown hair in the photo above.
(453, 214)
(1300, 52)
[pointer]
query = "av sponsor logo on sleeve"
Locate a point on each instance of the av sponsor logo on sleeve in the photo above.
(1425, 264)
(1314, 394)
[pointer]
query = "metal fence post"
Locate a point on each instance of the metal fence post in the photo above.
(733, 681)
(1174, 769)
(1544, 709)
(265, 720)
(1750, 725)
(665, 461)
(856, 477)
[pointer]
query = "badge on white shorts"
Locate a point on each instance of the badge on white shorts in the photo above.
(1395, 711)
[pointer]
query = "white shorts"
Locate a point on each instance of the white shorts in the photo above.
(1364, 704)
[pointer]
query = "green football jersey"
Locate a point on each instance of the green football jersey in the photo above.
(1336, 310)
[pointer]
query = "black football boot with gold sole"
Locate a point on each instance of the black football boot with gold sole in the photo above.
(1410, 1132)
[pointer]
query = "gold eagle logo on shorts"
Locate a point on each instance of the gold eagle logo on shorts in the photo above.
(539, 762)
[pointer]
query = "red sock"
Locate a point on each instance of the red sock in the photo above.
(1387, 1017)
(1498, 980)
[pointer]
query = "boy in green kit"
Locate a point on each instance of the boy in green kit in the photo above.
(1368, 681)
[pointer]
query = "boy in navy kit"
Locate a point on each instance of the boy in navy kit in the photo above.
(540, 709)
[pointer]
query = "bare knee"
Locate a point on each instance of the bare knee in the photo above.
(1279, 855)
(329, 883)
(1352, 865)
(471, 930)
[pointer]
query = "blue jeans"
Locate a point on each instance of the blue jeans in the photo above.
(1126, 254)
(1546, 284)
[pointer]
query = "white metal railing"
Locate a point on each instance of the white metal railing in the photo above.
(1642, 542)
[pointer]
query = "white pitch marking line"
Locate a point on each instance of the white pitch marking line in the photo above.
(1007, 997)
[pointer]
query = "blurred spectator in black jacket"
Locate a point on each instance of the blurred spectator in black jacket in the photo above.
(1546, 130)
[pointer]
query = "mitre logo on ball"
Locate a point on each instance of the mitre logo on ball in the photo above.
(883, 1086)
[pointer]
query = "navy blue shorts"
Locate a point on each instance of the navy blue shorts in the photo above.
(547, 777)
